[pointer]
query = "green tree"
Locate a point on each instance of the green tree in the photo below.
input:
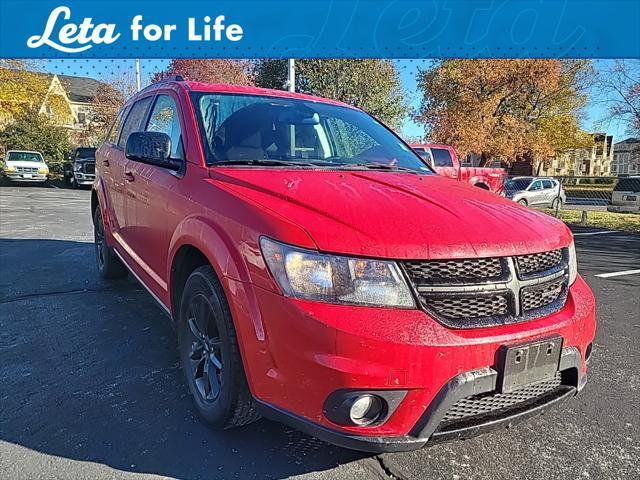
(33, 131)
(370, 84)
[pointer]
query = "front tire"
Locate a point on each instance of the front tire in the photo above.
(210, 355)
(523, 202)
(109, 266)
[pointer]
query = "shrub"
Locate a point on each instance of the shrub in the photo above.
(33, 131)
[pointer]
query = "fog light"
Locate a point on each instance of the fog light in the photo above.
(365, 410)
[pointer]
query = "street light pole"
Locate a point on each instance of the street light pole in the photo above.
(291, 81)
(138, 74)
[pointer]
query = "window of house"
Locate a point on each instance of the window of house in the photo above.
(165, 119)
(135, 119)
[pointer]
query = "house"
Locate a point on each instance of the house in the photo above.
(592, 161)
(626, 157)
(74, 103)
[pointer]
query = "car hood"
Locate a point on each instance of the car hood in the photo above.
(23, 163)
(396, 215)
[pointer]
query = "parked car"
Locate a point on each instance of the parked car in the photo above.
(444, 160)
(626, 195)
(81, 167)
(25, 166)
(319, 273)
(536, 191)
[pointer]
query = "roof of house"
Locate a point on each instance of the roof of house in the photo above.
(79, 89)
(628, 140)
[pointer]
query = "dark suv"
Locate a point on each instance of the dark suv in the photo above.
(81, 167)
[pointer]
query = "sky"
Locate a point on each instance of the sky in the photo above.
(108, 69)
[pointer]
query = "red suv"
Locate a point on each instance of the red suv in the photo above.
(319, 273)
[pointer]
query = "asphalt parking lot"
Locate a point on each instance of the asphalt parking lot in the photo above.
(90, 385)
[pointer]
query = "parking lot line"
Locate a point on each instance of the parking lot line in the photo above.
(600, 232)
(618, 274)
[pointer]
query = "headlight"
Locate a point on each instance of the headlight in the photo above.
(43, 170)
(573, 264)
(10, 168)
(77, 167)
(310, 275)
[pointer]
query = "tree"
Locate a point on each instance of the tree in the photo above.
(110, 96)
(209, 70)
(20, 90)
(619, 88)
(370, 84)
(508, 109)
(33, 131)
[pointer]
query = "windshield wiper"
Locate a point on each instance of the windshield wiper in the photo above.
(265, 161)
(379, 166)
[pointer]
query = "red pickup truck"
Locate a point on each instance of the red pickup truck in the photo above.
(318, 272)
(444, 160)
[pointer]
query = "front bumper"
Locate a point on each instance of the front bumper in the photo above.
(84, 178)
(427, 430)
(26, 177)
(307, 351)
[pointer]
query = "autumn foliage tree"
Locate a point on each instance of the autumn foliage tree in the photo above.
(509, 109)
(370, 84)
(209, 70)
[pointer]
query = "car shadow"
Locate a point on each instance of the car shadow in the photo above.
(90, 372)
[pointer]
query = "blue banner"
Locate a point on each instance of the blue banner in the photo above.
(320, 28)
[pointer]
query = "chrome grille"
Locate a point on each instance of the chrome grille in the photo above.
(541, 295)
(538, 262)
(471, 293)
(484, 403)
(442, 271)
(469, 307)
(90, 168)
(27, 169)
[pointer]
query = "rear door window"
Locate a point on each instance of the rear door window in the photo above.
(441, 157)
(135, 120)
(547, 184)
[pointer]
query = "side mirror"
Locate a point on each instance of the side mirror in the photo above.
(153, 148)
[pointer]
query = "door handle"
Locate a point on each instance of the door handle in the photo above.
(129, 176)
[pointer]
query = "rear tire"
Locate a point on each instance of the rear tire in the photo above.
(556, 204)
(210, 355)
(109, 265)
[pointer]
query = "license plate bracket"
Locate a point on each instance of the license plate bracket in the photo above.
(528, 363)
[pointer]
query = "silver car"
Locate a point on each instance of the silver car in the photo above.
(535, 191)
(626, 195)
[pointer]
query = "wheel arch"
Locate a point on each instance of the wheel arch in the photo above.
(195, 240)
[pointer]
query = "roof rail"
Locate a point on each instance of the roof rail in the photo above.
(171, 78)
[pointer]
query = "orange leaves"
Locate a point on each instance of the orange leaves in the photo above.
(499, 108)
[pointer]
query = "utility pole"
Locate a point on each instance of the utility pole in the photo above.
(291, 81)
(138, 73)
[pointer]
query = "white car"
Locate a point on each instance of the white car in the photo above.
(25, 166)
(626, 195)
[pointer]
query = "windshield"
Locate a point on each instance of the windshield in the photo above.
(24, 157)
(515, 185)
(258, 130)
(86, 153)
